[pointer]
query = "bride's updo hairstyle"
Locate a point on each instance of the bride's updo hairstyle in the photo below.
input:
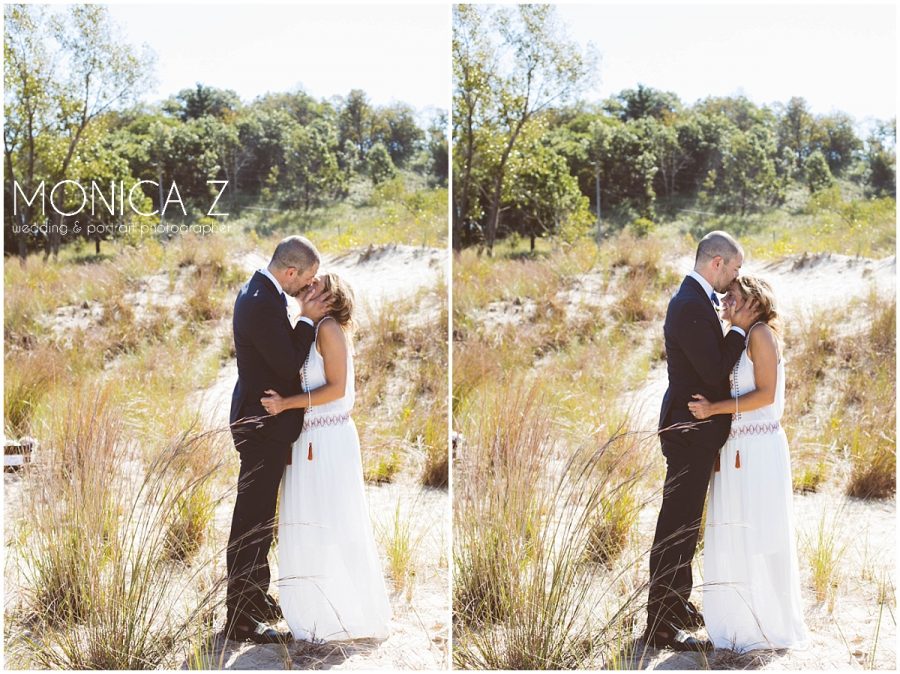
(755, 288)
(341, 299)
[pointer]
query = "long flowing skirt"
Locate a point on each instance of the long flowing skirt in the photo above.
(331, 585)
(751, 578)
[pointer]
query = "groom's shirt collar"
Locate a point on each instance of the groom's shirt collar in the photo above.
(707, 288)
(265, 272)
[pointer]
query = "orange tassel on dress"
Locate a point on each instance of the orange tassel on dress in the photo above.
(309, 453)
(737, 459)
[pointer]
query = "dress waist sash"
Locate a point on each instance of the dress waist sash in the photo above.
(322, 420)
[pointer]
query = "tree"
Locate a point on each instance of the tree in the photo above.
(795, 129)
(270, 157)
(438, 149)
(201, 101)
(381, 167)
(881, 159)
(355, 122)
(739, 110)
(818, 175)
(473, 72)
(313, 173)
(542, 193)
(395, 127)
(546, 68)
(188, 155)
(239, 148)
(835, 136)
(700, 138)
(643, 102)
(747, 179)
(28, 81)
(88, 71)
(627, 165)
(664, 140)
(104, 158)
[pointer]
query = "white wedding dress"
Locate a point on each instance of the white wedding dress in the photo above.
(331, 585)
(751, 578)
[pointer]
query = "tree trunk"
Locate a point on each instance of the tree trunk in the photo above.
(20, 239)
(493, 219)
(494, 212)
(460, 214)
(53, 238)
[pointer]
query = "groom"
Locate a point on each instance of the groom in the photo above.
(699, 360)
(270, 355)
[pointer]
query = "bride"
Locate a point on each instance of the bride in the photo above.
(751, 583)
(331, 585)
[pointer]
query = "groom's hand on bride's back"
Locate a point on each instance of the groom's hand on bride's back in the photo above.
(315, 302)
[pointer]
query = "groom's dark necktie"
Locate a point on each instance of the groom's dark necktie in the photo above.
(714, 298)
(284, 299)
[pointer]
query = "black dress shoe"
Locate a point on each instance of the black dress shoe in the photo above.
(677, 640)
(260, 633)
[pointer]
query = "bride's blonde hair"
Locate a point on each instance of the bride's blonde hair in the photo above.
(755, 288)
(342, 300)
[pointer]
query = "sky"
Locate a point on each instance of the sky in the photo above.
(837, 57)
(394, 53)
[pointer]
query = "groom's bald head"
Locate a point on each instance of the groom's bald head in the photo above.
(294, 251)
(717, 244)
(294, 263)
(719, 259)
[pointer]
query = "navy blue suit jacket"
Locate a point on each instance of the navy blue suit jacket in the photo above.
(270, 355)
(699, 360)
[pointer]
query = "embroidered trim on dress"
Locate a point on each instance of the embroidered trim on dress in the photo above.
(323, 420)
(755, 429)
(735, 388)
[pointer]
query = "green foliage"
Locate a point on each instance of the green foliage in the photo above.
(497, 103)
(311, 166)
(649, 155)
(746, 180)
(202, 101)
(543, 194)
(881, 159)
(287, 150)
(49, 111)
(818, 175)
(381, 168)
(641, 227)
(439, 150)
(641, 103)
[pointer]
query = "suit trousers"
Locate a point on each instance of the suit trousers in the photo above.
(688, 471)
(252, 529)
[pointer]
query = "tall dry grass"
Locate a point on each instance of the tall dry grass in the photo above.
(841, 396)
(401, 366)
(529, 589)
(100, 587)
(547, 483)
(111, 530)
